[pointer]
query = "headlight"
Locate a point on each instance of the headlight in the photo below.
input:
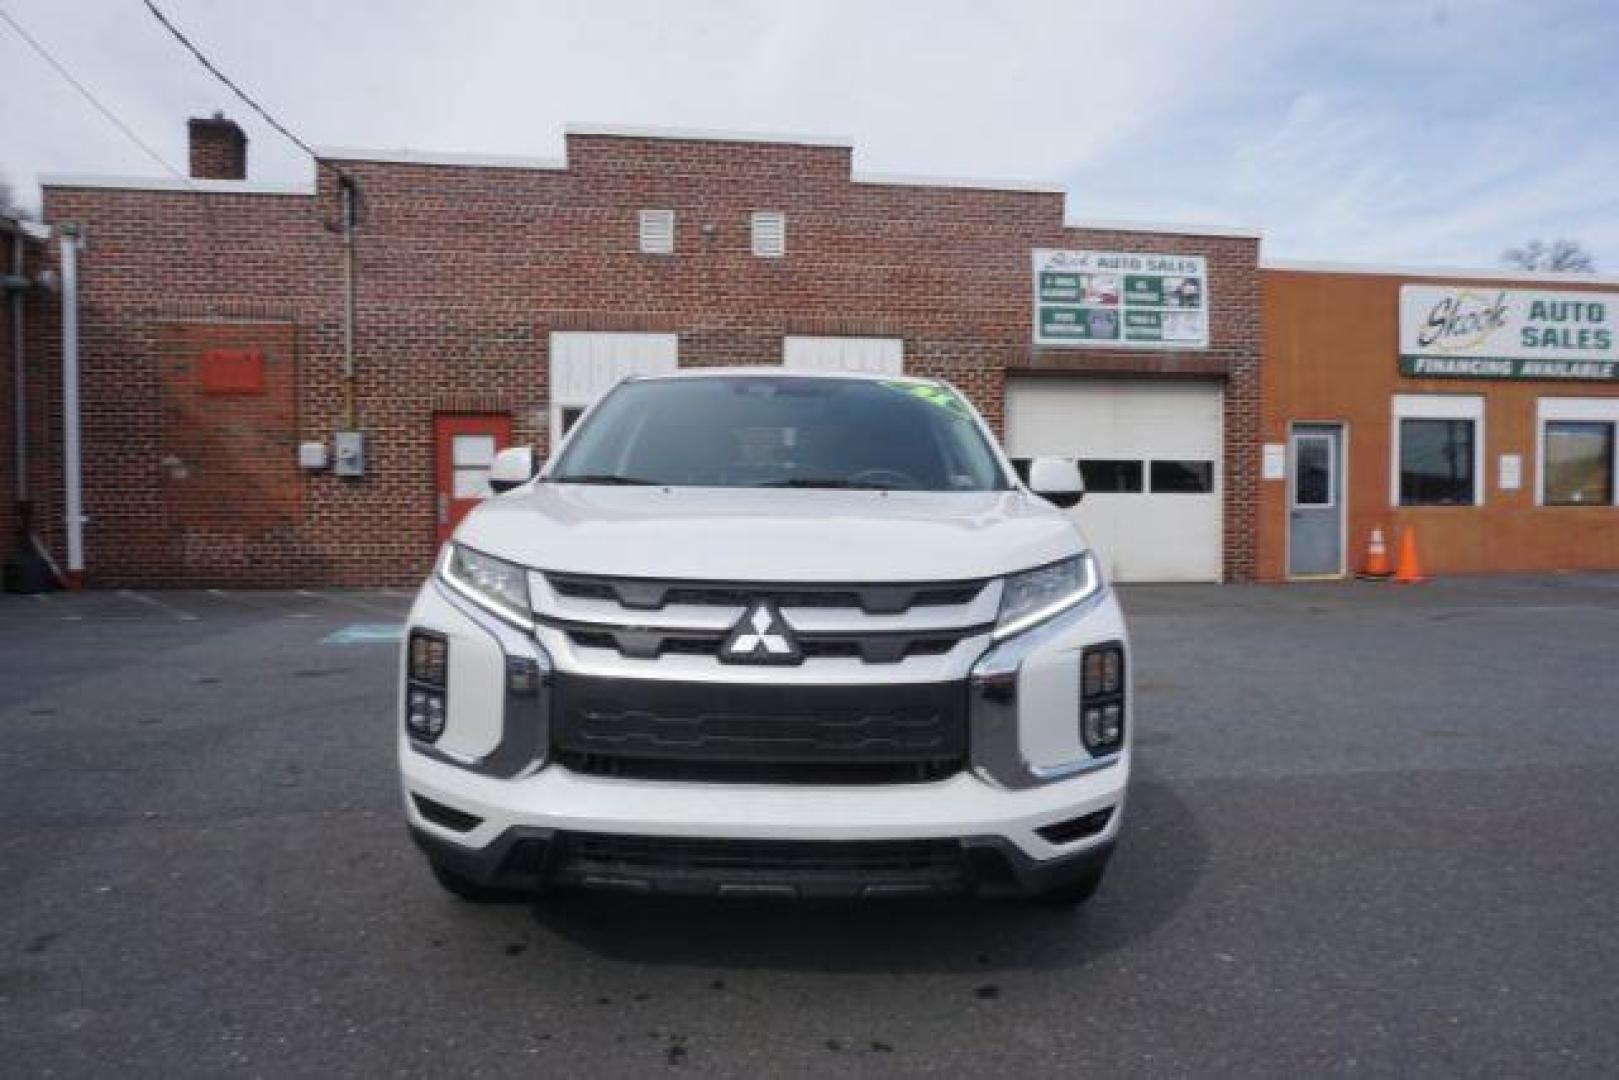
(1032, 597)
(495, 585)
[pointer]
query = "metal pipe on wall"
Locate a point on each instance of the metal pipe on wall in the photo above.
(73, 494)
(345, 187)
(19, 371)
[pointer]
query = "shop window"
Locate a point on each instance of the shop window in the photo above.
(1438, 453)
(1182, 477)
(1436, 462)
(1579, 463)
(1111, 476)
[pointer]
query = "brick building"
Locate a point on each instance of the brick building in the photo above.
(1478, 409)
(21, 263)
(494, 298)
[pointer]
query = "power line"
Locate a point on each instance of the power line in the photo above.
(84, 91)
(157, 13)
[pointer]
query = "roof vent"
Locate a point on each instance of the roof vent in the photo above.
(658, 232)
(770, 234)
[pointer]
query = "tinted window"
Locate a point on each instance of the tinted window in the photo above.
(1579, 463)
(1312, 471)
(766, 431)
(1106, 475)
(1182, 477)
(1436, 463)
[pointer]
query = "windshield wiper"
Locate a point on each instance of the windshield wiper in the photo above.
(604, 478)
(824, 482)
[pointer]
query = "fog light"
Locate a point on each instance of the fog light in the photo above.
(429, 658)
(424, 713)
(1093, 727)
(1103, 669)
(1101, 708)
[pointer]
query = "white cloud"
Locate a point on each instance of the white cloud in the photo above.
(1441, 131)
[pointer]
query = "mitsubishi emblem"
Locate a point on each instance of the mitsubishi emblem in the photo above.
(761, 636)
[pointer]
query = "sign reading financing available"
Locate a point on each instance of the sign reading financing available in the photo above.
(1480, 332)
(1121, 300)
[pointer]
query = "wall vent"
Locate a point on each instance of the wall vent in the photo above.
(658, 232)
(770, 234)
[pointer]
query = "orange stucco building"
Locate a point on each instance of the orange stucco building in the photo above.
(1480, 410)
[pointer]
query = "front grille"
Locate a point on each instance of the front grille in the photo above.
(702, 864)
(873, 648)
(647, 594)
(770, 733)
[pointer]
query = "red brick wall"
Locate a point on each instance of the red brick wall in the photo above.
(464, 272)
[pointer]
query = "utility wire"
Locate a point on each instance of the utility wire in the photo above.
(157, 13)
(84, 91)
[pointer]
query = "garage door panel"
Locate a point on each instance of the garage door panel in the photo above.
(1141, 534)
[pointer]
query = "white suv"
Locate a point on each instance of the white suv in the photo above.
(754, 633)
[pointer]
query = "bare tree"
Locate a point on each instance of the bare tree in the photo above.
(1557, 257)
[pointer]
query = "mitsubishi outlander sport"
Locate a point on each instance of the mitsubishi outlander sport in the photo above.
(753, 633)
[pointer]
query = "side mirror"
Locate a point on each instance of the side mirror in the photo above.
(512, 467)
(1057, 480)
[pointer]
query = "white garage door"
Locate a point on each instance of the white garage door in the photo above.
(1150, 452)
(881, 356)
(584, 366)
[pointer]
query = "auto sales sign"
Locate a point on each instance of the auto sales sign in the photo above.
(1485, 332)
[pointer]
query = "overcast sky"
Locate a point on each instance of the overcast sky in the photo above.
(1416, 132)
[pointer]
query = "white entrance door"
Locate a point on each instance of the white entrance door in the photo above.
(881, 356)
(1150, 453)
(585, 365)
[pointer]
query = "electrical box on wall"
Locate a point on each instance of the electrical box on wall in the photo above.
(312, 455)
(348, 454)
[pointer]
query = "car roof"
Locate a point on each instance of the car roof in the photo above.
(762, 371)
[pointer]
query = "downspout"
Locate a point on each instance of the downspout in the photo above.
(19, 375)
(345, 188)
(72, 480)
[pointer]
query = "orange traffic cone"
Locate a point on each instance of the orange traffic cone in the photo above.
(1377, 557)
(1408, 572)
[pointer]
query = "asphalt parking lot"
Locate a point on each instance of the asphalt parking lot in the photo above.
(1374, 831)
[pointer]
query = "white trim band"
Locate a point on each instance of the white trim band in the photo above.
(1173, 228)
(623, 131)
(169, 183)
(1310, 266)
(433, 157)
(972, 183)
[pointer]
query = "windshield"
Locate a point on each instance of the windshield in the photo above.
(761, 431)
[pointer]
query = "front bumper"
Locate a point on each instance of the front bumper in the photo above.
(517, 826)
(533, 860)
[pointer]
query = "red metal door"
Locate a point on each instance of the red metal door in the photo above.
(463, 447)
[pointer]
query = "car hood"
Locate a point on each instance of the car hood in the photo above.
(748, 534)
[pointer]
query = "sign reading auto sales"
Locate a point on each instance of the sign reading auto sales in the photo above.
(1121, 300)
(1483, 332)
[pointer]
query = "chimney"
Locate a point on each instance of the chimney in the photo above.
(218, 149)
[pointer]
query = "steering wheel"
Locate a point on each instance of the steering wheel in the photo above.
(884, 478)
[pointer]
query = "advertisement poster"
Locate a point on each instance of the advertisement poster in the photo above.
(1484, 332)
(1120, 300)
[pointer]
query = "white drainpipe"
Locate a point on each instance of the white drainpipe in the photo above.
(74, 491)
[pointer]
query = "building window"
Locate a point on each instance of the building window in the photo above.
(1436, 463)
(770, 234)
(1438, 453)
(1111, 476)
(658, 232)
(1182, 477)
(1578, 463)
(1312, 470)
